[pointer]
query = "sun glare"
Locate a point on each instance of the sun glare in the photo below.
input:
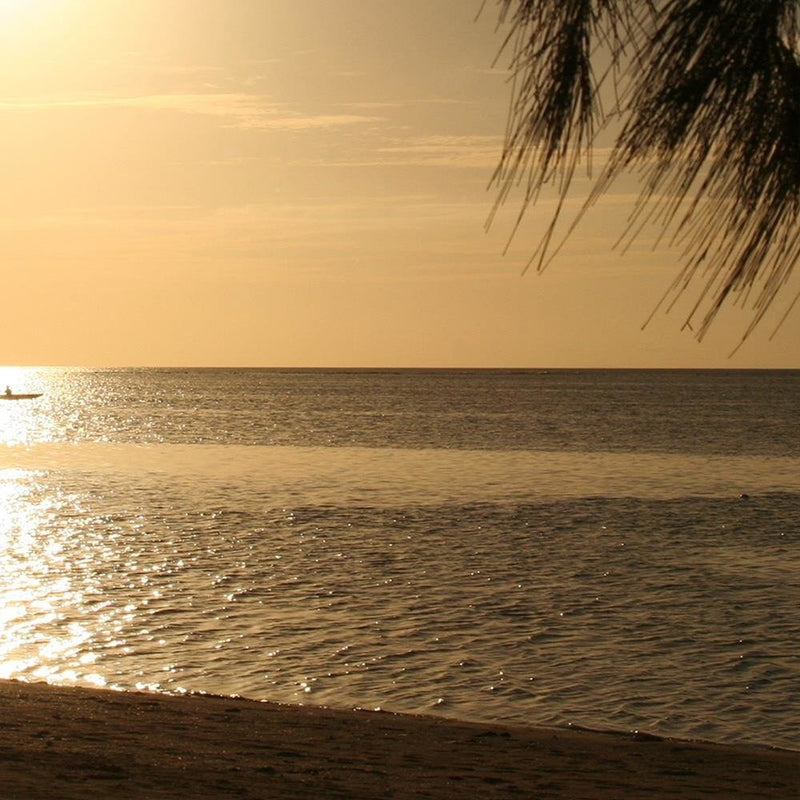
(19, 8)
(19, 15)
(11, 10)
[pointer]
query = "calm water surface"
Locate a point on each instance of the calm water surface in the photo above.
(611, 549)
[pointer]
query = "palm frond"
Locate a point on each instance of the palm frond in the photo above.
(709, 120)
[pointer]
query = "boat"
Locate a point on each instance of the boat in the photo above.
(11, 396)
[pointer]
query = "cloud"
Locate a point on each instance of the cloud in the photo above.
(481, 152)
(239, 109)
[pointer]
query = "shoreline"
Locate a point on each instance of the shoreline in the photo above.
(72, 742)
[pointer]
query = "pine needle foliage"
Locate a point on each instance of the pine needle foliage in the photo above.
(706, 98)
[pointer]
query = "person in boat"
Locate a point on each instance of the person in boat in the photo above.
(8, 391)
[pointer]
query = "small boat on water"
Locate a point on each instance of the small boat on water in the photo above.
(9, 395)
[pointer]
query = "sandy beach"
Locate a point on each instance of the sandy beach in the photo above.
(63, 743)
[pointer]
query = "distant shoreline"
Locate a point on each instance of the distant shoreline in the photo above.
(74, 743)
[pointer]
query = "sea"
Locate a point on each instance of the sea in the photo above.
(608, 549)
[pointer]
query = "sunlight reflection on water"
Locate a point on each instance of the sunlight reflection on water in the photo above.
(50, 624)
(28, 420)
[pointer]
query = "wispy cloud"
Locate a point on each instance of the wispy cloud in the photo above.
(433, 101)
(239, 109)
(480, 152)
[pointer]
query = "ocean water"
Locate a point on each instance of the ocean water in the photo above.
(610, 549)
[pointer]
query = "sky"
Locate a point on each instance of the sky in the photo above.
(301, 183)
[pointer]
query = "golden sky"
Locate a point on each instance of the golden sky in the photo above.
(297, 183)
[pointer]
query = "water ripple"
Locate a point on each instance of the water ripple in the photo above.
(672, 615)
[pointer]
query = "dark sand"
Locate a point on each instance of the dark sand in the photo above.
(63, 743)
